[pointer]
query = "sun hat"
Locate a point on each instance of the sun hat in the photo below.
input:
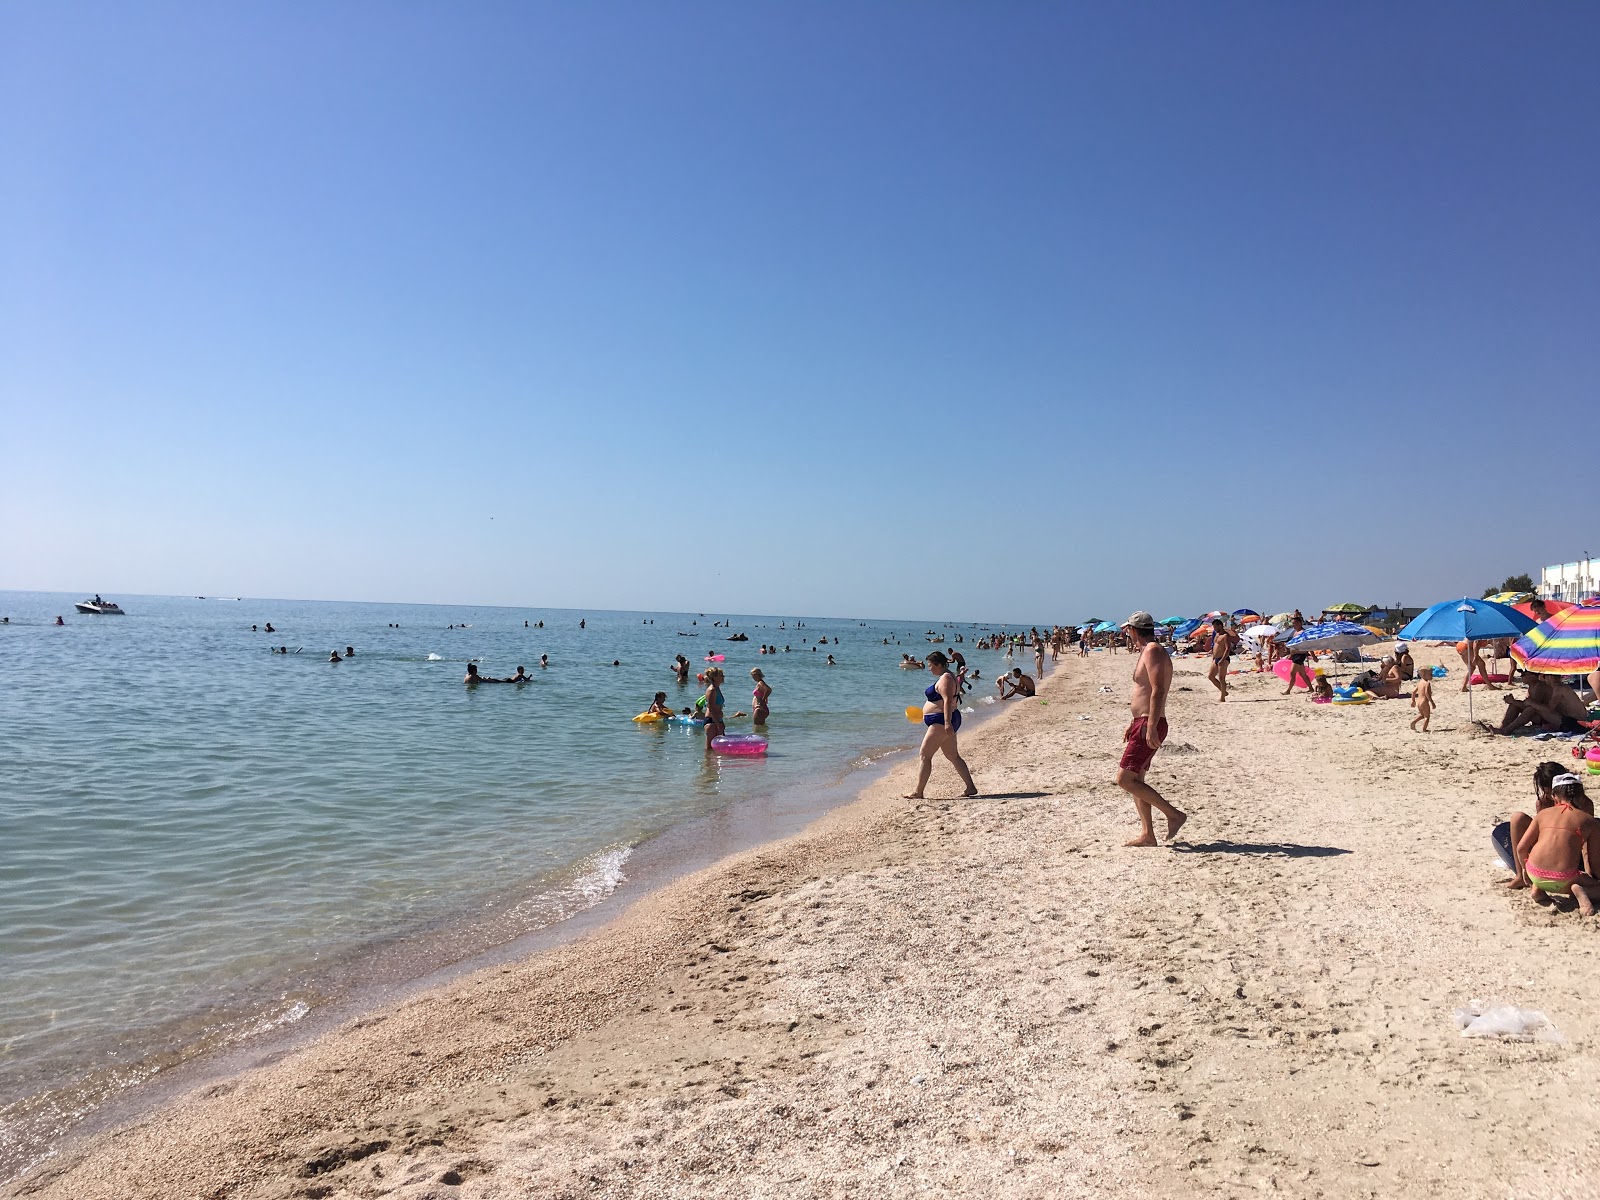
(1140, 620)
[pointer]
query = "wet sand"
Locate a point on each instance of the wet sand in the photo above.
(991, 997)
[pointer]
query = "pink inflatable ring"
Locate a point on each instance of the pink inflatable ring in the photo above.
(739, 743)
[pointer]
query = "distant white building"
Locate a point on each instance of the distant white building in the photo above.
(1568, 581)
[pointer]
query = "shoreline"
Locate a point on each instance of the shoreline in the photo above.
(393, 968)
(992, 997)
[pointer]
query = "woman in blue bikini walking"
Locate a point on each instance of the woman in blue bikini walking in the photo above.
(941, 714)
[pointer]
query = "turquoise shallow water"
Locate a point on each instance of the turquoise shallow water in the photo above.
(200, 840)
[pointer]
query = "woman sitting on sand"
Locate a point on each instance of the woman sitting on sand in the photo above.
(1543, 776)
(1561, 849)
(941, 715)
(1403, 660)
(1388, 681)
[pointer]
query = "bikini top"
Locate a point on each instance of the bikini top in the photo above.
(932, 693)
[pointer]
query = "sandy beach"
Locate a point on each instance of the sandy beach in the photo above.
(991, 997)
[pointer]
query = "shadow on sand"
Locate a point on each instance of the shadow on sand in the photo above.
(1262, 849)
(1012, 795)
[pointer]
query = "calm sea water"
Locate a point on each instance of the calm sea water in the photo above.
(201, 841)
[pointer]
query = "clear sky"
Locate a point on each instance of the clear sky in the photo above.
(980, 311)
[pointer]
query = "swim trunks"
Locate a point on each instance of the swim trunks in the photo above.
(1137, 753)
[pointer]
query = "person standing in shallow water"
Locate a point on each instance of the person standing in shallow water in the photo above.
(941, 714)
(760, 695)
(715, 724)
(1152, 680)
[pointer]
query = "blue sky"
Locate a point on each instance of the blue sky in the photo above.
(988, 312)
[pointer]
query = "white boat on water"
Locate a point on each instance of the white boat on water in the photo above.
(101, 608)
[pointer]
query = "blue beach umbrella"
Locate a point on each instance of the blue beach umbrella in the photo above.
(1466, 620)
(1245, 612)
(1333, 635)
(1106, 627)
(1188, 627)
(1174, 620)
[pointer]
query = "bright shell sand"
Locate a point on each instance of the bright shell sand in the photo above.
(991, 998)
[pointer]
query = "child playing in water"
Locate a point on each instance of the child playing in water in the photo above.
(1422, 699)
(1561, 849)
(658, 706)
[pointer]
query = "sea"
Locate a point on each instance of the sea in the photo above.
(205, 844)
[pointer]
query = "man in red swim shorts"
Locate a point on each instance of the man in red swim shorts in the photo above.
(1152, 680)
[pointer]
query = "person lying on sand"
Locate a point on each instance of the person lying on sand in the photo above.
(1561, 849)
(1543, 776)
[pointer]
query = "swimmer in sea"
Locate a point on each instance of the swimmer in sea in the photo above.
(349, 651)
(659, 705)
(333, 657)
(521, 676)
(544, 661)
(680, 668)
(830, 661)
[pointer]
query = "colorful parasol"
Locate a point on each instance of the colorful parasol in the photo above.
(1511, 598)
(1567, 644)
(1551, 608)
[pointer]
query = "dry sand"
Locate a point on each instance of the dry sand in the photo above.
(991, 997)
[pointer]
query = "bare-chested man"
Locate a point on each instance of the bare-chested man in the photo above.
(1551, 705)
(1152, 680)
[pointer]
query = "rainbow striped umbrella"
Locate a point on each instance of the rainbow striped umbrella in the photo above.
(1567, 644)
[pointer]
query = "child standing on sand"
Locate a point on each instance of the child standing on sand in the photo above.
(1422, 699)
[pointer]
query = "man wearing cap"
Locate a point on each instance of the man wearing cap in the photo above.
(1152, 680)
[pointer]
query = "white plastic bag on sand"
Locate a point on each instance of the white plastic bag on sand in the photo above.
(1505, 1021)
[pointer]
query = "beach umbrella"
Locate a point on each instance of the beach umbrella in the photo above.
(1282, 618)
(1246, 612)
(1466, 620)
(1188, 627)
(1106, 627)
(1567, 644)
(1511, 598)
(1346, 608)
(1551, 608)
(1174, 620)
(1258, 633)
(1333, 635)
